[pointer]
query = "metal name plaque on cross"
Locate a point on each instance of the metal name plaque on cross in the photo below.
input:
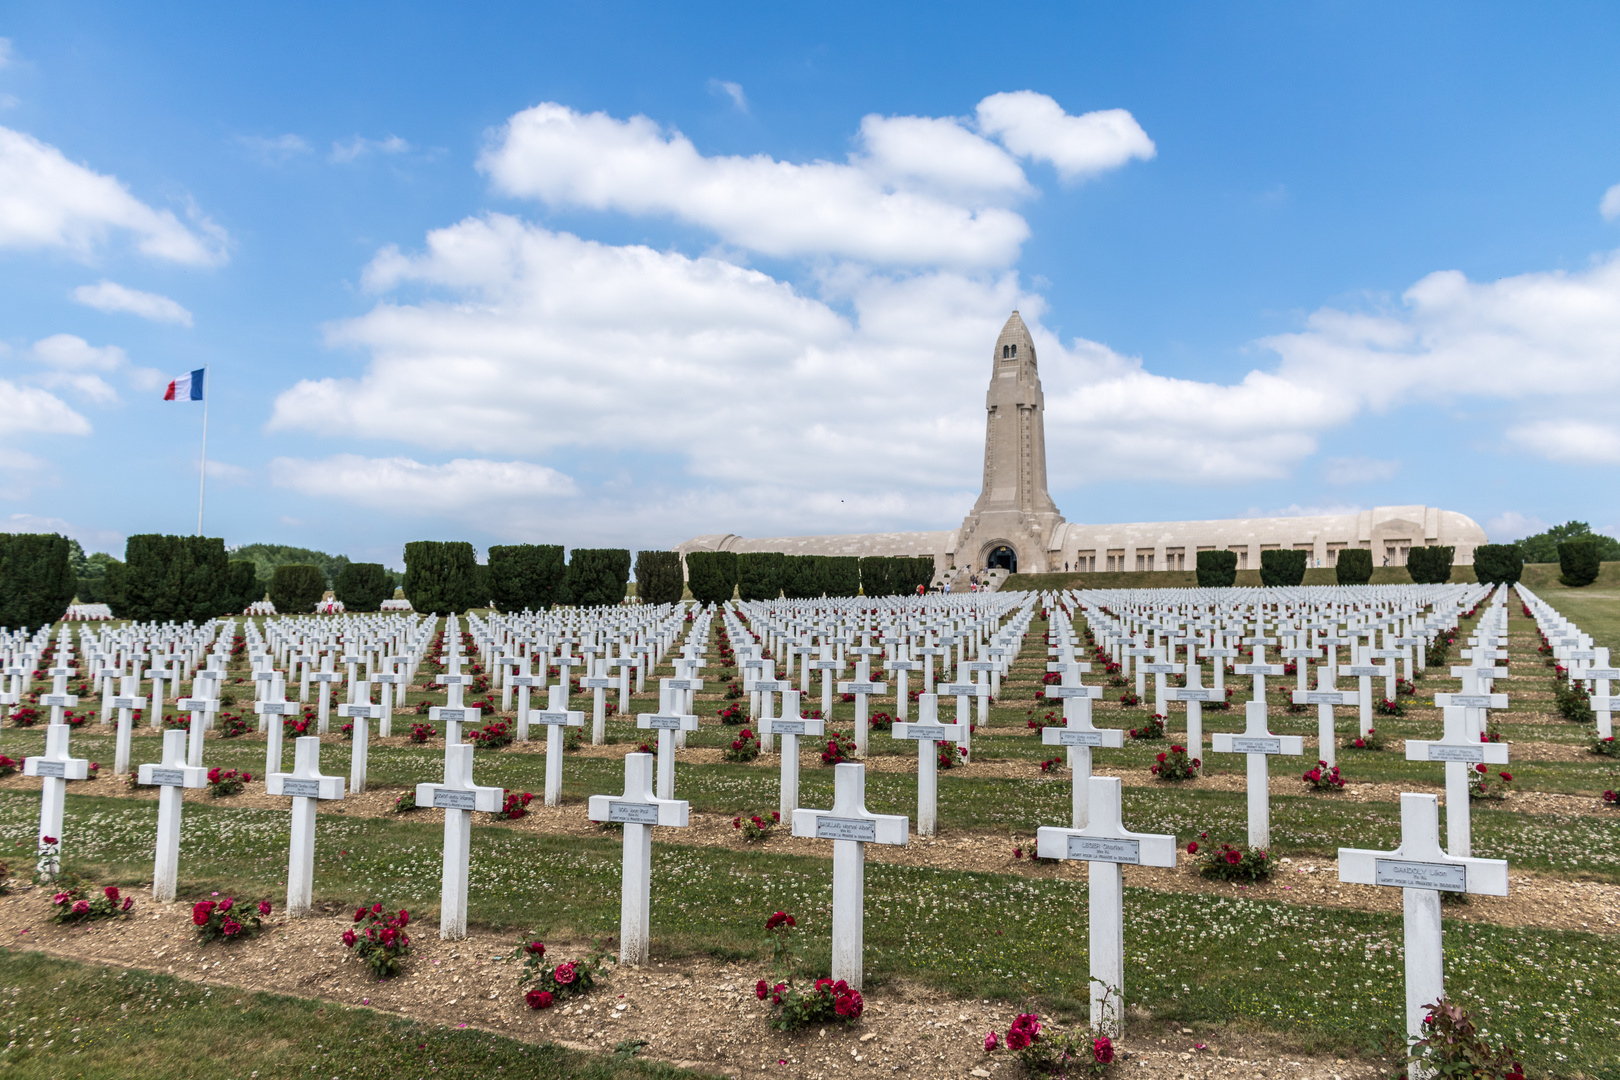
(1326, 697)
(50, 768)
(274, 708)
(787, 727)
(449, 799)
(1194, 694)
(925, 732)
(307, 789)
(64, 700)
(1079, 738)
(458, 715)
(1420, 875)
(1456, 753)
(630, 813)
(1072, 691)
(549, 717)
(1468, 701)
(860, 688)
(1098, 849)
(128, 702)
(1240, 745)
(841, 828)
(168, 777)
(659, 723)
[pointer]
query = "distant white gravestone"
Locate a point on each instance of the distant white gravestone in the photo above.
(1258, 743)
(458, 797)
(929, 733)
(790, 727)
(57, 767)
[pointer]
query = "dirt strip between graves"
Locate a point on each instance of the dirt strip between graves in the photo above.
(692, 1012)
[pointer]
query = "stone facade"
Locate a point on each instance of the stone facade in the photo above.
(1015, 524)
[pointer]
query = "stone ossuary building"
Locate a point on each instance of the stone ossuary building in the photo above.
(1015, 526)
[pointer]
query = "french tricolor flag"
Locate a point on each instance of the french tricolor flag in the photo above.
(186, 387)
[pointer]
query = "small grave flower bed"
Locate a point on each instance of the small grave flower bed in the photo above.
(72, 906)
(1370, 741)
(745, 747)
(1129, 699)
(8, 766)
(1390, 707)
(840, 748)
(732, 715)
(1453, 1046)
(231, 726)
(406, 802)
(1053, 764)
(1481, 786)
(1048, 719)
(295, 726)
(1605, 747)
(222, 920)
(222, 782)
(951, 755)
(880, 721)
(1152, 729)
(25, 716)
(1175, 766)
(1224, 862)
(492, 736)
(382, 943)
(569, 979)
(1324, 777)
(421, 733)
(756, 828)
(1049, 1055)
(513, 805)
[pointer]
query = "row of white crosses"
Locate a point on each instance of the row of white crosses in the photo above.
(1584, 662)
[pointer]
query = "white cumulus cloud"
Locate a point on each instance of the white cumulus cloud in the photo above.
(47, 201)
(1511, 525)
(30, 410)
(919, 191)
(1610, 206)
(1034, 126)
(359, 146)
(401, 483)
(109, 296)
(732, 91)
(1342, 471)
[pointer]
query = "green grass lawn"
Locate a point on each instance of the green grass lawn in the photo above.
(73, 1020)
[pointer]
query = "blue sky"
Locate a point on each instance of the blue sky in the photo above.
(619, 275)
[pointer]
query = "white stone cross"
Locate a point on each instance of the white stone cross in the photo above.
(1366, 673)
(453, 713)
(306, 784)
(638, 810)
(326, 677)
(1195, 695)
(1258, 743)
(1422, 871)
(862, 688)
(964, 693)
(1259, 669)
(1324, 697)
(458, 797)
(1080, 736)
(851, 827)
(271, 710)
(556, 716)
(681, 688)
(386, 681)
(902, 697)
(764, 686)
(57, 766)
(667, 721)
(359, 714)
(201, 709)
(1159, 669)
(159, 675)
(929, 733)
(171, 776)
(598, 684)
(59, 699)
(790, 727)
(126, 702)
(1108, 847)
(1461, 749)
(1603, 704)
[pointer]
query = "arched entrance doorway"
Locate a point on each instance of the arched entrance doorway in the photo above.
(1002, 557)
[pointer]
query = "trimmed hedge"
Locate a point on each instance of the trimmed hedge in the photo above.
(759, 574)
(1580, 561)
(183, 578)
(363, 586)
(801, 577)
(658, 577)
(242, 580)
(911, 571)
(440, 576)
(842, 574)
(877, 575)
(597, 576)
(296, 588)
(1498, 564)
(525, 577)
(1354, 566)
(1282, 569)
(36, 578)
(1217, 569)
(711, 575)
(1430, 565)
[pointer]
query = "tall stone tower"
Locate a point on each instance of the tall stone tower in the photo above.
(1013, 520)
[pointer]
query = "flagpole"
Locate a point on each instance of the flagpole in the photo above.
(202, 479)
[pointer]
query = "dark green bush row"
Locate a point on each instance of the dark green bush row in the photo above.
(1217, 569)
(1282, 569)
(525, 577)
(295, 589)
(658, 577)
(36, 579)
(1498, 564)
(363, 586)
(1354, 566)
(1430, 565)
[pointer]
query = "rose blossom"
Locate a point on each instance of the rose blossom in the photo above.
(1192, 847)
(200, 913)
(1102, 1048)
(761, 990)
(564, 974)
(1233, 858)
(264, 907)
(350, 937)
(991, 1041)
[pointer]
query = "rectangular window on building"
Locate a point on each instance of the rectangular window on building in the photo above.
(1175, 558)
(1333, 553)
(1116, 559)
(1243, 557)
